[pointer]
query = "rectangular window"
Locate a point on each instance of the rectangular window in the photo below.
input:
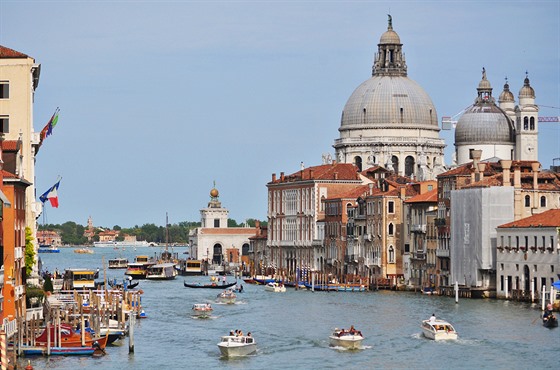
(4, 90)
(4, 124)
(217, 222)
(391, 207)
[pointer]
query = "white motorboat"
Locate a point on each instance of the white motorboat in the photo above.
(275, 287)
(350, 339)
(202, 310)
(438, 330)
(227, 296)
(235, 346)
(161, 271)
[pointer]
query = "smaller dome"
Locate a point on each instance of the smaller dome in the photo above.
(484, 84)
(506, 95)
(526, 91)
(214, 193)
(390, 37)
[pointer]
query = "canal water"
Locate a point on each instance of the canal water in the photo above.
(292, 328)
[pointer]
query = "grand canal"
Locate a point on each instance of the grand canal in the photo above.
(292, 328)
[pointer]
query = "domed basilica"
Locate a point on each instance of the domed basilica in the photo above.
(390, 121)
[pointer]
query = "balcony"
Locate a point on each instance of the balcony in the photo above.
(439, 221)
(440, 252)
(18, 252)
(418, 228)
(418, 255)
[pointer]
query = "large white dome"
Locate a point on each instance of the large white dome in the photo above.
(389, 102)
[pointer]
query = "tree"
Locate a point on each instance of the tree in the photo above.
(29, 252)
(48, 285)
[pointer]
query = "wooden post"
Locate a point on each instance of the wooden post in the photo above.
(543, 297)
(456, 292)
(131, 332)
(533, 290)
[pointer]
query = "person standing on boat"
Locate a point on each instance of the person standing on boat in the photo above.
(223, 280)
(433, 318)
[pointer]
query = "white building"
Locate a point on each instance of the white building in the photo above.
(528, 255)
(215, 242)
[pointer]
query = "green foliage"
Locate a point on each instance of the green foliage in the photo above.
(48, 285)
(29, 252)
(34, 292)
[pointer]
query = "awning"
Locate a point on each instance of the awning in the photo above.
(5, 199)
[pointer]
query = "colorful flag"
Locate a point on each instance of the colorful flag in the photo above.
(51, 195)
(47, 130)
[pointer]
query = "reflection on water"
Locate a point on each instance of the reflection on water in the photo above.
(292, 328)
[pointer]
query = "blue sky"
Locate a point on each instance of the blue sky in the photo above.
(159, 99)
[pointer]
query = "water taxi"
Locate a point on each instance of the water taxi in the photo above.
(275, 287)
(118, 263)
(438, 329)
(227, 296)
(84, 250)
(235, 346)
(161, 271)
(350, 339)
(78, 279)
(189, 267)
(202, 310)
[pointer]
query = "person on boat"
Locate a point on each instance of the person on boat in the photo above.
(249, 334)
(231, 333)
(341, 333)
(223, 280)
(352, 330)
(433, 318)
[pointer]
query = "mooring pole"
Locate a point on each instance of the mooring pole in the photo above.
(131, 331)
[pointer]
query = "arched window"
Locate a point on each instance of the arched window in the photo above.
(391, 255)
(391, 229)
(358, 162)
(527, 201)
(409, 166)
(525, 123)
(395, 161)
(532, 124)
(543, 201)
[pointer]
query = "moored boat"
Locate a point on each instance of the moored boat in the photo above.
(68, 337)
(350, 339)
(227, 296)
(275, 287)
(438, 329)
(202, 310)
(79, 279)
(161, 271)
(84, 250)
(235, 346)
(139, 267)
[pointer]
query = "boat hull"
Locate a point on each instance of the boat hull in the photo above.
(231, 346)
(438, 330)
(346, 341)
(550, 323)
(209, 286)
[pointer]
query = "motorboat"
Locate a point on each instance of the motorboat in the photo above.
(202, 310)
(275, 287)
(68, 337)
(139, 267)
(438, 329)
(227, 296)
(235, 346)
(161, 271)
(118, 263)
(84, 250)
(350, 339)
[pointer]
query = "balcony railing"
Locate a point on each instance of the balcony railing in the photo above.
(418, 228)
(440, 252)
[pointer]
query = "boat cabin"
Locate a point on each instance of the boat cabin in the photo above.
(236, 339)
(118, 263)
(161, 271)
(78, 279)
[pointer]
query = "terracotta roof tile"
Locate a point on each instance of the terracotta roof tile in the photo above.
(10, 145)
(342, 171)
(10, 53)
(550, 218)
(7, 174)
(430, 196)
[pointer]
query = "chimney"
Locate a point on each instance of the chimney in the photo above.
(506, 166)
(310, 173)
(476, 154)
(535, 166)
(281, 176)
(258, 227)
(403, 192)
(481, 168)
(273, 177)
(370, 188)
(335, 174)
(517, 177)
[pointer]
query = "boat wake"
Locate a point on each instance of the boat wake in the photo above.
(344, 349)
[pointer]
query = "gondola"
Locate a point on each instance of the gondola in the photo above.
(550, 321)
(210, 286)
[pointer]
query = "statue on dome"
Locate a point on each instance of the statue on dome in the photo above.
(390, 22)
